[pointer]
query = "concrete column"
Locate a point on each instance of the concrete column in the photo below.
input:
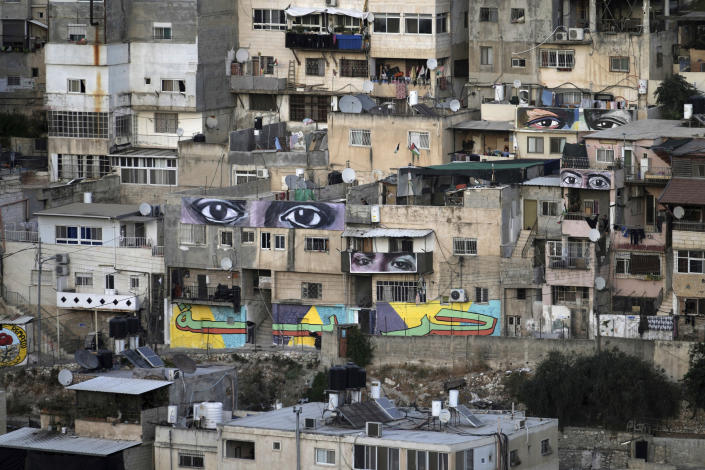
(565, 21)
(592, 12)
(666, 8)
(645, 22)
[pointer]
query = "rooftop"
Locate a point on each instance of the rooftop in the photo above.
(689, 191)
(551, 180)
(121, 386)
(497, 126)
(649, 129)
(144, 152)
(494, 165)
(47, 441)
(386, 232)
(95, 210)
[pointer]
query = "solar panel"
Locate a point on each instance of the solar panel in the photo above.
(357, 414)
(134, 358)
(150, 356)
(389, 408)
(467, 414)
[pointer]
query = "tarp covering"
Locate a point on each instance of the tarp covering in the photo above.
(303, 11)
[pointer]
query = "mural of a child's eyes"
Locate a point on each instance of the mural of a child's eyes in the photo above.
(571, 179)
(403, 263)
(597, 181)
(303, 215)
(544, 119)
(219, 211)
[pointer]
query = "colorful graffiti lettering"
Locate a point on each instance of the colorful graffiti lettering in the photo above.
(298, 324)
(13, 345)
(207, 326)
(432, 318)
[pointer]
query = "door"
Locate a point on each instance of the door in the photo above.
(202, 286)
(529, 213)
(627, 158)
(641, 450)
(514, 325)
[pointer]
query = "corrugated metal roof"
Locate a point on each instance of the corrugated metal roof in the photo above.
(387, 232)
(645, 129)
(119, 385)
(97, 210)
(48, 441)
(688, 191)
(144, 152)
(497, 165)
(498, 126)
(21, 320)
(544, 181)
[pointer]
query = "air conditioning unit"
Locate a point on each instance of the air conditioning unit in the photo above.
(561, 36)
(62, 270)
(331, 3)
(373, 429)
(62, 258)
(172, 374)
(262, 173)
(576, 34)
(524, 96)
(458, 295)
(309, 423)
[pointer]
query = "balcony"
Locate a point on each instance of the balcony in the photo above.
(135, 242)
(568, 262)
(17, 43)
(324, 42)
(654, 175)
(266, 83)
(392, 263)
(220, 293)
(158, 251)
(689, 226)
(108, 301)
(574, 225)
(21, 236)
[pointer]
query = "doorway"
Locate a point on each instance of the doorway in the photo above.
(530, 214)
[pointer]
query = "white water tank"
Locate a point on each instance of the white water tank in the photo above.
(88, 197)
(375, 389)
(196, 411)
(499, 92)
(134, 342)
(687, 111)
(436, 408)
(453, 398)
(210, 413)
(413, 97)
(119, 345)
(333, 401)
(172, 414)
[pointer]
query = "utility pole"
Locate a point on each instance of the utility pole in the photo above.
(297, 411)
(40, 262)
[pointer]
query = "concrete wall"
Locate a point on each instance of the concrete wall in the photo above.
(169, 442)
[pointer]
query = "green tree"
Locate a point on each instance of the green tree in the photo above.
(360, 349)
(694, 379)
(672, 93)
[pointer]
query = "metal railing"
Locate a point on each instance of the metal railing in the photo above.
(689, 226)
(135, 242)
(218, 294)
(574, 216)
(568, 262)
(157, 250)
(636, 173)
(530, 239)
(21, 236)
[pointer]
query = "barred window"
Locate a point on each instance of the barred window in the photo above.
(488, 15)
(482, 295)
(78, 124)
(147, 170)
(315, 244)
(76, 32)
(360, 137)
(353, 68)
(554, 58)
(82, 166)
(84, 279)
(311, 290)
(464, 246)
(263, 102)
(396, 291)
(123, 125)
(191, 460)
(166, 123)
(619, 64)
(308, 106)
(315, 67)
(13, 80)
(421, 140)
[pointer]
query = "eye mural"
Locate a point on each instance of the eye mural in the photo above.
(547, 118)
(600, 119)
(271, 214)
(382, 262)
(586, 179)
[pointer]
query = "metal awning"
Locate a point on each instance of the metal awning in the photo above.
(387, 232)
(39, 23)
(494, 126)
(119, 385)
(303, 11)
(144, 152)
(48, 441)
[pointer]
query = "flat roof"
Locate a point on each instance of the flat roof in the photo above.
(496, 165)
(649, 129)
(144, 152)
(121, 386)
(95, 210)
(551, 180)
(496, 126)
(386, 232)
(48, 441)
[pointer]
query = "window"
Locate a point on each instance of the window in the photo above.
(191, 460)
(518, 62)
(226, 238)
(244, 176)
(619, 64)
(397, 291)
(556, 144)
(315, 67)
(691, 262)
(273, 20)
(308, 106)
(422, 140)
(192, 234)
(441, 23)
(77, 32)
(46, 277)
(66, 235)
(247, 237)
(174, 85)
(311, 290)
(35, 71)
(166, 123)
(659, 61)
(239, 450)
(375, 458)
(91, 236)
(549, 208)
(464, 246)
(418, 24)
(397, 245)
(260, 102)
(514, 458)
(360, 137)
(426, 460)
(84, 279)
(465, 460)
(517, 15)
(265, 241)
(535, 144)
(147, 170)
(78, 124)
(590, 206)
(161, 31)
(570, 294)
(14, 81)
(309, 22)
(605, 155)
(622, 263)
(279, 242)
(353, 68)
(110, 281)
(315, 244)
(387, 22)
(693, 306)
(276, 445)
(546, 447)
(134, 282)
(325, 456)
(263, 65)
(123, 125)
(555, 248)
(571, 97)
(488, 15)
(486, 55)
(466, 17)
(350, 23)
(521, 294)
(481, 295)
(555, 58)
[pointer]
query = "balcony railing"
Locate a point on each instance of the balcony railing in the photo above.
(21, 236)
(568, 262)
(220, 293)
(654, 174)
(157, 250)
(574, 216)
(689, 226)
(335, 42)
(135, 242)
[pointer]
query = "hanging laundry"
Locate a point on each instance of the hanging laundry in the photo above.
(401, 90)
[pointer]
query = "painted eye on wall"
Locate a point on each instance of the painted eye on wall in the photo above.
(571, 179)
(219, 211)
(547, 122)
(305, 216)
(597, 181)
(362, 259)
(402, 263)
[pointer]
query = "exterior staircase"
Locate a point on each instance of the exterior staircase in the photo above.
(263, 334)
(666, 307)
(524, 237)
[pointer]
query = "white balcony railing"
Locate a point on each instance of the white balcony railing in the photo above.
(110, 300)
(135, 242)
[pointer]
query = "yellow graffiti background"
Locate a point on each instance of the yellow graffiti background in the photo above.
(185, 339)
(311, 318)
(16, 353)
(412, 314)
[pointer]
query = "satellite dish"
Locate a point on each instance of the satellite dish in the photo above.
(86, 359)
(594, 235)
(431, 64)
(370, 17)
(183, 362)
(600, 283)
(444, 416)
(331, 29)
(226, 263)
(368, 86)
(348, 175)
(65, 377)
(517, 83)
(145, 209)
(211, 122)
(179, 132)
(350, 104)
(242, 55)
(454, 105)
(678, 212)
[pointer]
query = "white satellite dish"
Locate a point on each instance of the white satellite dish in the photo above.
(370, 17)
(368, 86)
(517, 83)
(65, 377)
(594, 235)
(600, 283)
(348, 175)
(211, 122)
(431, 64)
(145, 209)
(454, 105)
(444, 416)
(331, 29)
(350, 104)
(226, 263)
(678, 212)
(179, 132)
(242, 55)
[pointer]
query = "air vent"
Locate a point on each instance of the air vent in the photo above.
(373, 429)
(309, 423)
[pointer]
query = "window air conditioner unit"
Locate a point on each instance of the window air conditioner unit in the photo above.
(561, 36)
(576, 34)
(309, 423)
(331, 3)
(62, 258)
(262, 173)
(172, 374)
(373, 429)
(458, 295)
(62, 270)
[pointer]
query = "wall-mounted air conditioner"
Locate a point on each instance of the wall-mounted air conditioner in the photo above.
(576, 34)
(373, 429)
(561, 36)
(62, 258)
(458, 295)
(62, 270)
(262, 173)
(309, 423)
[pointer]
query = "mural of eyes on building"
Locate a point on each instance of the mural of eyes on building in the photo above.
(548, 118)
(300, 324)
(271, 214)
(207, 327)
(432, 318)
(382, 262)
(586, 179)
(599, 119)
(13, 345)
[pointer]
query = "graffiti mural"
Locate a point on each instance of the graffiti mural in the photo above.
(553, 322)
(586, 179)
(382, 262)
(13, 345)
(300, 324)
(432, 318)
(271, 214)
(207, 327)
(548, 118)
(600, 119)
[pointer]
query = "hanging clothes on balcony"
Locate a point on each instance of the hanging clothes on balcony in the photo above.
(401, 90)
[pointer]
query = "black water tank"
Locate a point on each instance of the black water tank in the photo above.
(258, 123)
(117, 327)
(133, 326)
(362, 377)
(237, 298)
(352, 375)
(105, 358)
(337, 378)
